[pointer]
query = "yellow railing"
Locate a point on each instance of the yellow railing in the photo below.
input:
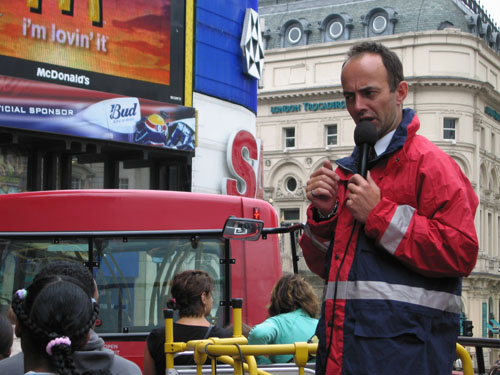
(464, 356)
(241, 357)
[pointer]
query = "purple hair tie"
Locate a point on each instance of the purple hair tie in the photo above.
(21, 294)
(64, 340)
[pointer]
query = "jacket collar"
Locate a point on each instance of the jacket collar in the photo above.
(408, 127)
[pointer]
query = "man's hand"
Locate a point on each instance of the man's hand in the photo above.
(363, 196)
(322, 188)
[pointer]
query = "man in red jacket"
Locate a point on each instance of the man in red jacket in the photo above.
(393, 246)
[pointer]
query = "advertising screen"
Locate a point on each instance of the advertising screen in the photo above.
(102, 69)
(126, 47)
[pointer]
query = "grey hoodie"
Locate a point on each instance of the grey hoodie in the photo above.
(94, 357)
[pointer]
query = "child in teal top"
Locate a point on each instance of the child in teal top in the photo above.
(293, 310)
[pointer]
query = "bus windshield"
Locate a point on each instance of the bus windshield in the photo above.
(132, 272)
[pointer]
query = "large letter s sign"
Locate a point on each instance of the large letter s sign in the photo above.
(242, 155)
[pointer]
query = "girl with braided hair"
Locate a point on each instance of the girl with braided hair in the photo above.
(54, 316)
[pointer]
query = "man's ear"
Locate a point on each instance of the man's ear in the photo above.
(402, 92)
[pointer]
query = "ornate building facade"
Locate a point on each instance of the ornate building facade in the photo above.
(450, 54)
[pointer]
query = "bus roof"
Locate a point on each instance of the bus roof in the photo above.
(124, 210)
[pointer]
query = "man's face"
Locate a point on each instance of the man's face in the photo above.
(367, 93)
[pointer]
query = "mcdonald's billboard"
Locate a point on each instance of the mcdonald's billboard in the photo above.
(125, 47)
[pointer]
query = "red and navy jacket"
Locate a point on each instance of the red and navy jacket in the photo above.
(393, 285)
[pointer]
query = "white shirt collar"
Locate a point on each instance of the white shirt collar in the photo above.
(383, 143)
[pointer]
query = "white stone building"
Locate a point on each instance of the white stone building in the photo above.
(454, 81)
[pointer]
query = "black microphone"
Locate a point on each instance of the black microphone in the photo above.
(365, 136)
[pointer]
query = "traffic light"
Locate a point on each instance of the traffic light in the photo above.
(467, 328)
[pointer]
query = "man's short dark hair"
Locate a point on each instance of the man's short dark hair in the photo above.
(69, 268)
(391, 61)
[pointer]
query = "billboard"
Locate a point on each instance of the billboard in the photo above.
(53, 108)
(103, 69)
(126, 47)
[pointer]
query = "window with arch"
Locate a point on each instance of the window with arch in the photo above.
(487, 32)
(490, 234)
(336, 27)
(295, 33)
(379, 21)
(475, 24)
(291, 184)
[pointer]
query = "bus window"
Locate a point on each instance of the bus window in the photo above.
(135, 273)
(22, 259)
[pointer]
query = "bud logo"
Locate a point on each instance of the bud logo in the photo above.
(67, 7)
(117, 112)
(120, 115)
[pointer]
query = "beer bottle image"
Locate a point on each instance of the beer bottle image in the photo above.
(115, 118)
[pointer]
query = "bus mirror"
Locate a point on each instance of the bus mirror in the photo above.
(242, 229)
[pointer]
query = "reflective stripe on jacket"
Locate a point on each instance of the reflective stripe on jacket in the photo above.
(398, 279)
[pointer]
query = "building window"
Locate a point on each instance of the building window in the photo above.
(289, 138)
(291, 184)
(335, 29)
(379, 23)
(290, 215)
(336, 26)
(76, 183)
(331, 135)
(123, 183)
(13, 170)
(449, 129)
(498, 248)
(294, 34)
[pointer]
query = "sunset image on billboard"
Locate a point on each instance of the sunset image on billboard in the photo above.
(123, 38)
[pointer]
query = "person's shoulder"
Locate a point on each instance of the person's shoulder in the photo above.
(13, 365)
(157, 332)
(427, 152)
(123, 366)
(220, 332)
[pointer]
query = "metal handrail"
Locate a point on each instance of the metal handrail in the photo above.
(241, 357)
(464, 356)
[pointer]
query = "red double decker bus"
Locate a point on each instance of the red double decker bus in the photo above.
(134, 242)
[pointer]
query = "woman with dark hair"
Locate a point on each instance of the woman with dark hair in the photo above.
(54, 316)
(293, 310)
(192, 296)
